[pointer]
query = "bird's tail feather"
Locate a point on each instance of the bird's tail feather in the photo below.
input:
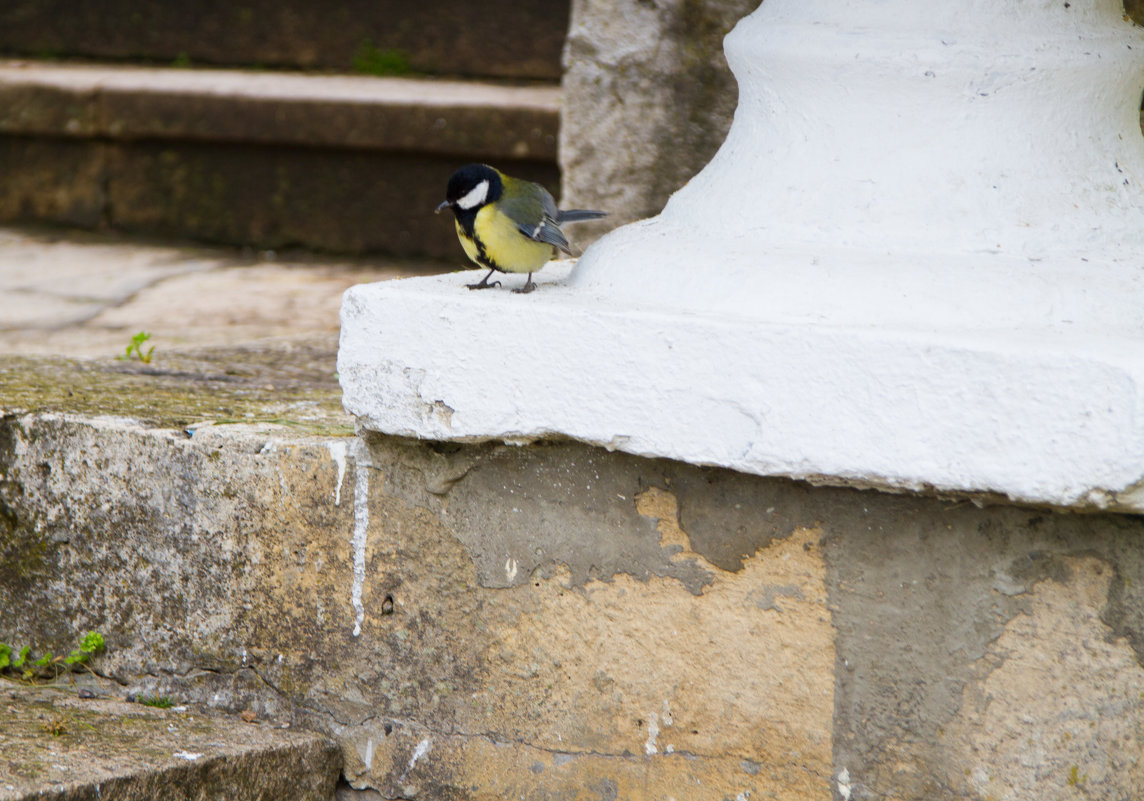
(578, 215)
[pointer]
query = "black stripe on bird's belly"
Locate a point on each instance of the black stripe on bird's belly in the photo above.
(483, 257)
(468, 221)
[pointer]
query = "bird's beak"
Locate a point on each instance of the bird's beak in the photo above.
(444, 204)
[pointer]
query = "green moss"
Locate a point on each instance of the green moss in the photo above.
(273, 387)
(23, 554)
(370, 60)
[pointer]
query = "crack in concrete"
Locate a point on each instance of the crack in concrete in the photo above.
(127, 297)
(440, 481)
(494, 738)
(267, 681)
(293, 703)
(107, 677)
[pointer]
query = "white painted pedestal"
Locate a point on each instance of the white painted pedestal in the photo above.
(917, 261)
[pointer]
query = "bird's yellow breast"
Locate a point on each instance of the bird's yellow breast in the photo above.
(470, 247)
(497, 242)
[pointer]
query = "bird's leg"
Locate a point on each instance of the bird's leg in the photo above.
(528, 286)
(484, 282)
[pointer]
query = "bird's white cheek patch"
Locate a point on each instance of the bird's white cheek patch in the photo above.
(475, 196)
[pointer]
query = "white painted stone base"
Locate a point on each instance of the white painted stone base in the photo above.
(917, 261)
(1042, 417)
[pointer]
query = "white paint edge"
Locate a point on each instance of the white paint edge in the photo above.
(421, 750)
(338, 454)
(361, 528)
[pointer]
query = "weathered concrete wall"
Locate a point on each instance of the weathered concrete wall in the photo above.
(557, 621)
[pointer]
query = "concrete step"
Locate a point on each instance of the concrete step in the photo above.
(502, 38)
(57, 745)
(346, 164)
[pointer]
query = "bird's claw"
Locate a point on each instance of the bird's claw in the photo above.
(483, 285)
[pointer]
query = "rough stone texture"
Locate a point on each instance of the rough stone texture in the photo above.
(517, 39)
(648, 100)
(58, 746)
(557, 621)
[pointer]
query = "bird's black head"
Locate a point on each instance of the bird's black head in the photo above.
(471, 187)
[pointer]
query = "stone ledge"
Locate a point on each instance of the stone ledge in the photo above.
(964, 412)
(56, 745)
(401, 114)
(285, 386)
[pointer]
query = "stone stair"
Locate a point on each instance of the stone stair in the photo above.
(142, 141)
(58, 744)
(496, 39)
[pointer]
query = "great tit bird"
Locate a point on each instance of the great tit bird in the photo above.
(507, 224)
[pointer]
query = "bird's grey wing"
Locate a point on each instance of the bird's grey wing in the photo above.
(547, 231)
(534, 212)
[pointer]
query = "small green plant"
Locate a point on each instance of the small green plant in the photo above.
(370, 60)
(181, 61)
(136, 347)
(7, 661)
(159, 701)
(47, 666)
(90, 644)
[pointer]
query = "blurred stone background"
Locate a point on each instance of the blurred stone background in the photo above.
(333, 128)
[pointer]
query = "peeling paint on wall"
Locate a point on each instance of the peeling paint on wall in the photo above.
(1059, 706)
